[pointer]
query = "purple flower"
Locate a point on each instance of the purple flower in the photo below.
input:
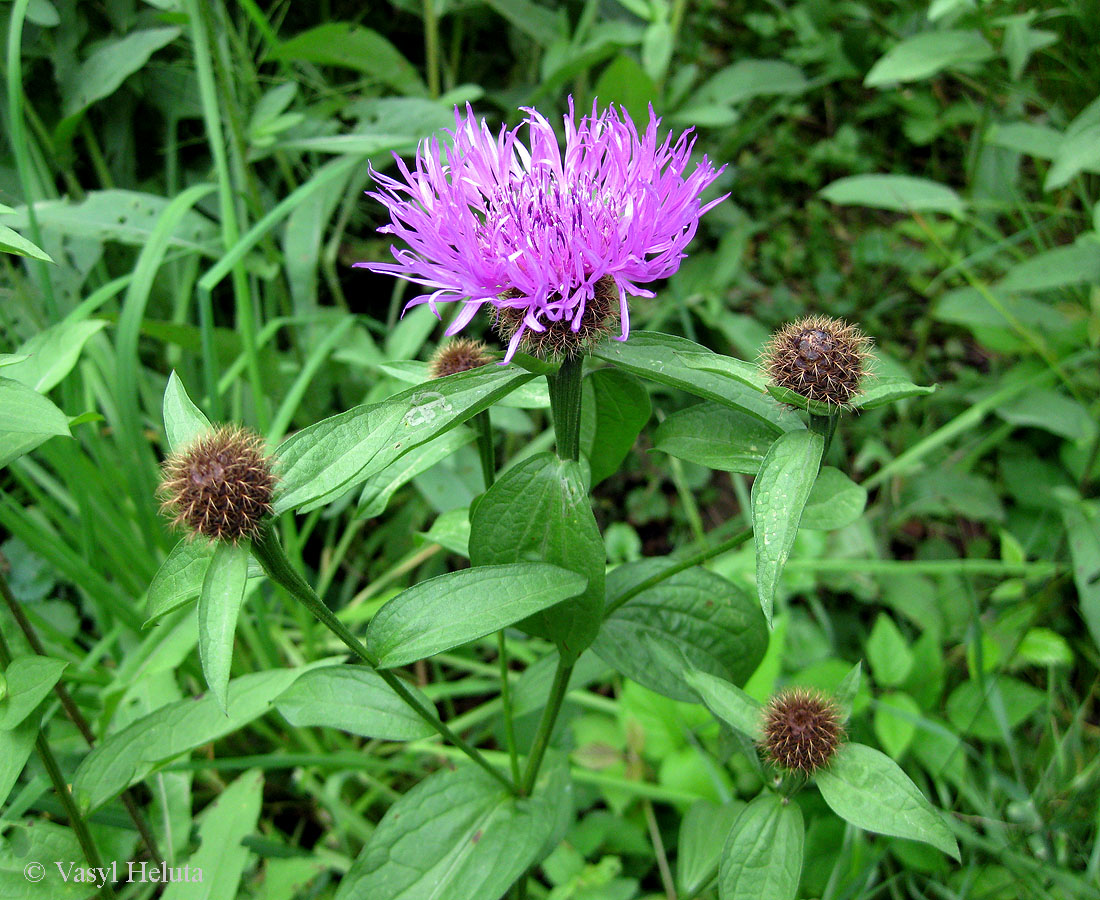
(537, 233)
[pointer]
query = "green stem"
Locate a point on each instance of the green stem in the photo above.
(686, 563)
(57, 779)
(565, 405)
(826, 427)
(546, 725)
(506, 703)
(271, 556)
(431, 46)
(484, 426)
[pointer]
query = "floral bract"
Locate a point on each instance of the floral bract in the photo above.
(533, 230)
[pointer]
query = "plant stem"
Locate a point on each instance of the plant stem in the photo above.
(271, 556)
(565, 405)
(546, 725)
(686, 563)
(826, 427)
(57, 779)
(484, 426)
(431, 46)
(77, 718)
(506, 703)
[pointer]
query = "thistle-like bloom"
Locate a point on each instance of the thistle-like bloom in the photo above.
(822, 359)
(219, 485)
(802, 730)
(539, 233)
(456, 356)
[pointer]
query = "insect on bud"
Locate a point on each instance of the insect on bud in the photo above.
(802, 730)
(219, 485)
(820, 358)
(559, 340)
(458, 356)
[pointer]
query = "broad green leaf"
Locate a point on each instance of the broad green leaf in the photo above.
(129, 755)
(868, 789)
(763, 852)
(322, 461)
(715, 436)
(923, 55)
(533, 19)
(40, 841)
(183, 421)
(727, 701)
(622, 409)
(450, 530)
(980, 707)
(747, 373)
(835, 501)
(458, 835)
(1056, 268)
(799, 401)
(354, 699)
(886, 389)
(625, 83)
(219, 605)
(704, 617)
(16, 746)
(703, 833)
(13, 242)
(29, 681)
(748, 78)
(110, 64)
(459, 607)
(25, 411)
(52, 353)
(848, 690)
(1083, 532)
(888, 652)
(379, 489)
(899, 193)
(1077, 153)
(356, 47)
(657, 357)
(779, 495)
(179, 578)
(539, 510)
(1052, 411)
(895, 722)
(222, 855)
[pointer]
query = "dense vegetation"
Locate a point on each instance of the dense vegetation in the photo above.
(182, 187)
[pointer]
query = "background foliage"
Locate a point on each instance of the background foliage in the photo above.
(926, 170)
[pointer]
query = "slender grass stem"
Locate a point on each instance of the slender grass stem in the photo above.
(271, 556)
(546, 725)
(506, 704)
(431, 46)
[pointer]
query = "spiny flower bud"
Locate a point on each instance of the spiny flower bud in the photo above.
(219, 485)
(822, 359)
(458, 356)
(802, 730)
(559, 340)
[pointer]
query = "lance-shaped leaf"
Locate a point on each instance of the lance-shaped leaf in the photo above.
(183, 421)
(763, 853)
(219, 605)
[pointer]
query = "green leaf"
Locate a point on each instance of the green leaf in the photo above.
(457, 835)
(183, 421)
(1082, 523)
(779, 495)
(536, 21)
(980, 707)
(923, 55)
(886, 389)
(179, 578)
(799, 401)
(748, 78)
(1056, 268)
(459, 607)
(380, 488)
(222, 855)
(899, 193)
(13, 242)
(29, 681)
(747, 373)
(658, 357)
(702, 616)
(322, 461)
(110, 64)
(715, 436)
(39, 840)
(848, 690)
(1076, 153)
(763, 853)
(622, 409)
(888, 652)
(52, 353)
(354, 47)
(539, 510)
(354, 699)
(130, 754)
(895, 722)
(25, 411)
(703, 833)
(16, 746)
(868, 789)
(727, 701)
(835, 501)
(219, 605)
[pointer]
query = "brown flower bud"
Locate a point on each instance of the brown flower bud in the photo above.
(458, 356)
(802, 730)
(820, 358)
(559, 340)
(219, 485)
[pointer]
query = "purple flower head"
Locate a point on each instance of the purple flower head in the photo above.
(539, 234)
